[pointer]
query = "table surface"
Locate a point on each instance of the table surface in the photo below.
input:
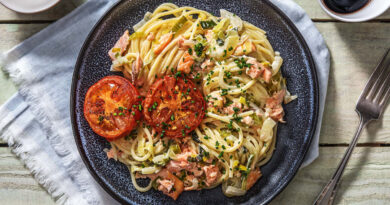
(355, 50)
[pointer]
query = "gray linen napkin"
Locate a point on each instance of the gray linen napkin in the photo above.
(36, 122)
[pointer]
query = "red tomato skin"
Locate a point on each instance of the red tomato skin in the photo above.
(167, 89)
(94, 105)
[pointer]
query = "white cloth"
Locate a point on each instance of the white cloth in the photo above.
(36, 121)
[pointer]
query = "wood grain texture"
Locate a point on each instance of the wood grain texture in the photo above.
(315, 12)
(355, 51)
(17, 185)
(13, 34)
(365, 180)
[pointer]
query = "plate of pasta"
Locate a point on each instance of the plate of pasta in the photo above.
(175, 101)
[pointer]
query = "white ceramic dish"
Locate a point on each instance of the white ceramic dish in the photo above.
(29, 6)
(373, 9)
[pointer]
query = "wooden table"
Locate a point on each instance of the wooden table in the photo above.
(355, 50)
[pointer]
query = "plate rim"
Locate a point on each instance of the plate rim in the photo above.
(75, 129)
(48, 6)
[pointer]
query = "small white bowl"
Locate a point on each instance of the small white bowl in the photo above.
(29, 6)
(373, 9)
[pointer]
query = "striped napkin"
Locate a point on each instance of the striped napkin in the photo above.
(36, 121)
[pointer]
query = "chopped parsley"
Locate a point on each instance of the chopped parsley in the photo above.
(220, 154)
(154, 106)
(228, 74)
(224, 92)
(199, 49)
(177, 74)
(230, 125)
(241, 63)
(197, 76)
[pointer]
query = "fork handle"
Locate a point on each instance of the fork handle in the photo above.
(327, 195)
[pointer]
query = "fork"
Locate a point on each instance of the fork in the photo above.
(370, 106)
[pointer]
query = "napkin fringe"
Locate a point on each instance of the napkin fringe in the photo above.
(69, 159)
(39, 174)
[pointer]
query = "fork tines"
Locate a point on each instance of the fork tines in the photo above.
(377, 91)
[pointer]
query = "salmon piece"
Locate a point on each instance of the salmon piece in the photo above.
(164, 41)
(230, 109)
(277, 113)
(212, 174)
(276, 99)
(197, 171)
(274, 103)
(177, 184)
(185, 63)
(253, 176)
(166, 185)
(209, 35)
(177, 166)
(253, 62)
(207, 65)
(248, 120)
(184, 43)
(111, 154)
(216, 100)
(136, 68)
(120, 46)
(181, 162)
(255, 70)
(267, 74)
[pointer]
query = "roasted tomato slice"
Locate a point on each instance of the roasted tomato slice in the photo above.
(174, 106)
(112, 107)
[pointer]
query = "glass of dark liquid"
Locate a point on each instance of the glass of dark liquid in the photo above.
(354, 10)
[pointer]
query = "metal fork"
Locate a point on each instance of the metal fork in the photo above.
(370, 106)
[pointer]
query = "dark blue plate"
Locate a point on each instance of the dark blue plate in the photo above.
(293, 138)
